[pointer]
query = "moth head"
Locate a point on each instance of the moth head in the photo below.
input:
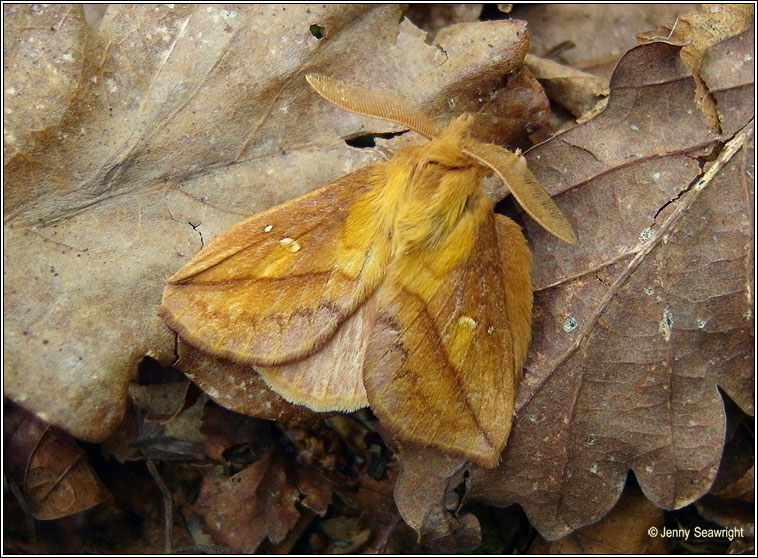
(445, 150)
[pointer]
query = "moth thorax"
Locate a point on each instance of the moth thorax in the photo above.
(438, 199)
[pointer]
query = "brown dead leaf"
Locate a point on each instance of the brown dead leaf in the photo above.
(625, 530)
(427, 498)
(316, 491)
(742, 488)
(234, 438)
(171, 393)
(513, 112)
(434, 17)
(696, 32)
(592, 37)
(730, 514)
(138, 494)
(346, 533)
(239, 512)
(59, 480)
(728, 71)
(315, 443)
(742, 546)
(576, 91)
(53, 472)
(163, 419)
(372, 502)
(259, 502)
(635, 326)
(130, 145)
(119, 444)
(736, 475)
(162, 402)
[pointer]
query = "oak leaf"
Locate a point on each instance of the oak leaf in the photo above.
(638, 325)
(129, 146)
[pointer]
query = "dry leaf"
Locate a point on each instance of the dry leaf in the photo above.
(734, 514)
(153, 133)
(162, 402)
(239, 511)
(89, 219)
(635, 327)
(234, 437)
(513, 112)
(743, 488)
(638, 323)
(371, 502)
(728, 71)
(696, 32)
(577, 91)
(434, 17)
(316, 491)
(592, 38)
(52, 471)
(736, 474)
(258, 502)
(59, 480)
(625, 530)
(427, 498)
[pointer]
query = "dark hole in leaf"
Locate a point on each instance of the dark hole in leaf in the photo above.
(462, 487)
(369, 140)
(317, 31)
(491, 12)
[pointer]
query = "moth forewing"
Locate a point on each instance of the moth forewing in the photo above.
(274, 288)
(439, 367)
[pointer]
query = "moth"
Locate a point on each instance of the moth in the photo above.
(395, 287)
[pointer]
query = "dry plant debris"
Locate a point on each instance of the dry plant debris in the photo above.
(131, 143)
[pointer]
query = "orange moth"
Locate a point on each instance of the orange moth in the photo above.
(395, 287)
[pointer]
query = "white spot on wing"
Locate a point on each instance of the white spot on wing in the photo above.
(290, 244)
(467, 322)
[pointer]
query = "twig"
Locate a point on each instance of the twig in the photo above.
(30, 524)
(382, 544)
(168, 513)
